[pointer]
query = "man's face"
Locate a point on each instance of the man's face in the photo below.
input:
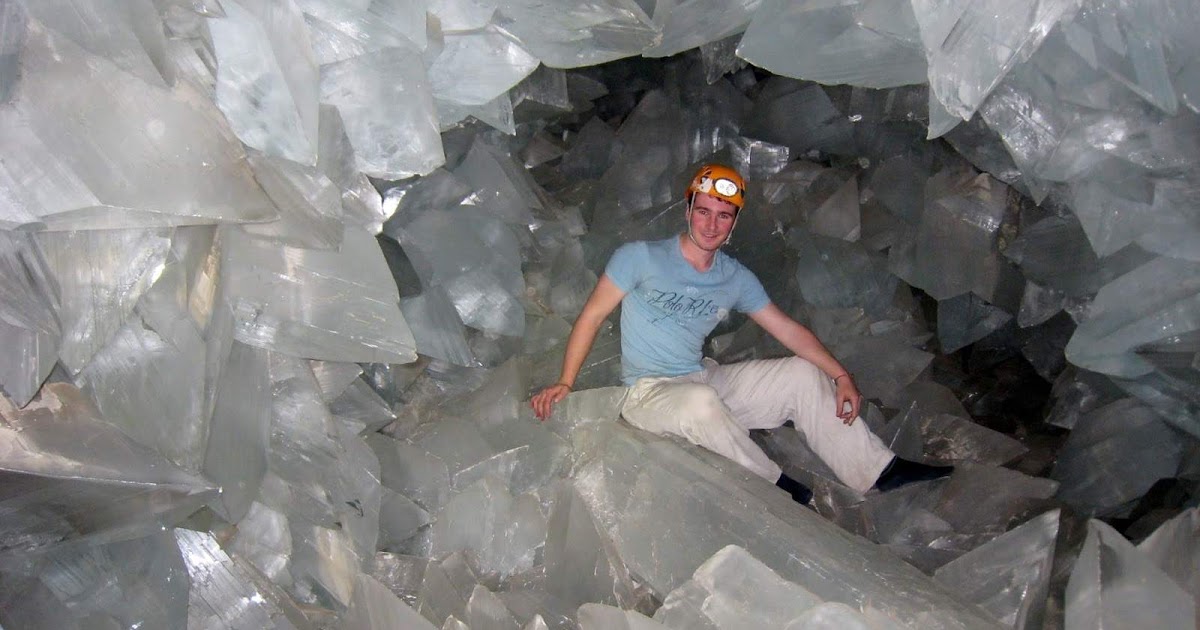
(711, 221)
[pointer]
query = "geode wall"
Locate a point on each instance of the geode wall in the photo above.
(278, 276)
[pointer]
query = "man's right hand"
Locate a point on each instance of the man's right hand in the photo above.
(543, 402)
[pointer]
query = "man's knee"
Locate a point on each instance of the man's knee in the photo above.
(700, 403)
(801, 370)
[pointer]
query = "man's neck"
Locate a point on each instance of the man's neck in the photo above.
(698, 258)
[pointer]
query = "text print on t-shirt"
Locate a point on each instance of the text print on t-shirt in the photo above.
(677, 305)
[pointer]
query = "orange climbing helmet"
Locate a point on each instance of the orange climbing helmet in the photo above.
(719, 181)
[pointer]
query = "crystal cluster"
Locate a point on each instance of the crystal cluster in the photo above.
(279, 277)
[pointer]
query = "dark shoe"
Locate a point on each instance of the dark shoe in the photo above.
(800, 492)
(901, 472)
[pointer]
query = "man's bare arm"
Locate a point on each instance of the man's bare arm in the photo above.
(603, 300)
(800, 340)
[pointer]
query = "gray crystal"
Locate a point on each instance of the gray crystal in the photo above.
(965, 319)
(582, 564)
(502, 530)
(485, 611)
(122, 32)
(152, 387)
(267, 77)
(29, 320)
(236, 455)
(401, 574)
(581, 33)
(375, 607)
(851, 43)
(833, 273)
(800, 116)
(341, 31)
(411, 471)
(386, 105)
(310, 205)
(1173, 548)
(334, 377)
(361, 203)
(399, 519)
(741, 589)
(699, 23)
(126, 584)
(1124, 434)
(225, 592)
(475, 67)
(602, 617)
(989, 38)
(1115, 585)
(1010, 576)
(361, 406)
(435, 324)
(273, 290)
(632, 471)
(72, 475)
(106, 168)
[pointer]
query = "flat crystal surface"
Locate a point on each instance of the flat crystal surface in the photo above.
(387, 108)
(475, 67)
(836, 44)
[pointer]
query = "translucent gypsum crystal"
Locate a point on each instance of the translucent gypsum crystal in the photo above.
(400, 573)
(399, 519)
(698, 23)
(101, 275)
(989, 39)
(29, 320)
(268, 81)
(604, 617)
(640, 487)
(226, 592)
(408, 199)
(238, 432)
(459, 443)
(334, 376)
(453, 623)
(358, 493)
(900, 184)
(838, 216)
(841, 44)
(13, 23)
(436, 327)
(375, 607)
(335, 306)
(152, 388)
(965, 319)
(497, 112)
(542, 149)
(485, 611)
(930, 524)
(70, 475)
(129, 583)
(945, 437)
(501, 182)
(539, 455)
(264, 539)
(411, 471)
(1173, 548)
(125, 33)
(361, 203)
(883, 364)
(582, 564)
(360, 403)
(1113, 584)
(720, 58)
(503, 531)
(85, 157)
(741, 589)
(477, 66)
(580, 33)
(341, 31)
(1124, 435)
(542, 94)
(1010, 576)
(800, 116)
(759, 159)
(833, 273)
(1156, 301)
(1077, 392)
(591, 151)
(439, 598)
(1039, 304)
(387, 108)
(310, 206)
(324, 565)
(956, 245)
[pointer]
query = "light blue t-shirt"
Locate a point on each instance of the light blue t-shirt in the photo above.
(669, 307)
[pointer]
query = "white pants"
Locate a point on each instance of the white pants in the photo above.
(716, 408)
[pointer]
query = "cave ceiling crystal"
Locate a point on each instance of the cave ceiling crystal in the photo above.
(278, 278)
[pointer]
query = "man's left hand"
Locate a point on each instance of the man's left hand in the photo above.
(847, 392)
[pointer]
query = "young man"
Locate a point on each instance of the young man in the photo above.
(673, 293)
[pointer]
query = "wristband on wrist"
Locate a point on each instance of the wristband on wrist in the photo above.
(565, 385)
(835, 379)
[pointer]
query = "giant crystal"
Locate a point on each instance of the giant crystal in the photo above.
(121, 165)
(871, 43)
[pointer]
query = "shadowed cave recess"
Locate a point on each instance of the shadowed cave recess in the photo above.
(279, 277)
